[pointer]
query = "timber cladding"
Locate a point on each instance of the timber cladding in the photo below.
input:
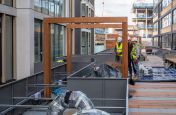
(166, 9)
(166, 29)
(174, 27)
(174, 2)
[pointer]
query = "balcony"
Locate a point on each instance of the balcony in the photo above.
(144, 16)
(144, 27)
(143, 5)
(148, 36)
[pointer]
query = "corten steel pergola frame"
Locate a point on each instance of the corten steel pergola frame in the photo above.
(81, 22)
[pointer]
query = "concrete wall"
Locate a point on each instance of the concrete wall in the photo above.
(25, 38)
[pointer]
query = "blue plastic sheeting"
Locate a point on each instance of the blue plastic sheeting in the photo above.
(59, 91)
(160, 74)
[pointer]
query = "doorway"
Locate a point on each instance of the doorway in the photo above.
(0, 48)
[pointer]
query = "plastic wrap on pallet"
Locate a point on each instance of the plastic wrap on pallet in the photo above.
(91, 112)
(73, 99)
(105, 70)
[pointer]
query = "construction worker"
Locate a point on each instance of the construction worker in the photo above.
(118, 49)
(130, 61)
(135, 57)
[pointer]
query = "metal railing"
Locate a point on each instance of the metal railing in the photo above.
(143, 5)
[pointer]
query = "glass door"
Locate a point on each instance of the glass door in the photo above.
(84, 43)
(9, 47)
(0, 48)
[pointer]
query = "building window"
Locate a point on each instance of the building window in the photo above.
(155, 28)
(155, 41)
(38, 40)
(174, 42)
(62, 6)
(45, 6)
(155, 12)
(57, 8)
(166, 41)
(51, 7)
(83, 11)
(174, 17)
(167, 21)
(165, 3)
(38, 5)
(9, 47)
(8, 2)
(57, 44)
(85, 43)
(0, 48)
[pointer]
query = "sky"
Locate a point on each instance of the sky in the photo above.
(114, 8)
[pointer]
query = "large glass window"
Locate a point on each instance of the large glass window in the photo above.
(155, 28)
(83, 11)
(174, 42)
(8, 2)
(9, 47)
(0, 48)
(155, 41)
(45, 6)
(38, 5)
(59, 8)
(167, 21)
(174, 17)
(155, 12)
(165, 3)
(166, 41)
(85, 43)
(57, 36)
(62, 6)
(51, 7)
(38, 40)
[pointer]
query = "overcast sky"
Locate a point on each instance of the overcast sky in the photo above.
(114, 8)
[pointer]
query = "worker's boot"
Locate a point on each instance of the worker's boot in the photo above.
(135, 77)
(131, 82)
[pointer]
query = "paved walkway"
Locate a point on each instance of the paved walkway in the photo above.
(153, 61)
(153, 99)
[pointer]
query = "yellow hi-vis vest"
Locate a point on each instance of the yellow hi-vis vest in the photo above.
(119, 48)
(134, 53)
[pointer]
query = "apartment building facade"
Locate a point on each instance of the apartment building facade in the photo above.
(142, 18)
(84, 38)
(164, 35)
(21, 35)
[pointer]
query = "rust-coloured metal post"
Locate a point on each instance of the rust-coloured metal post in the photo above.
(125, 50)
(47, 59)
(69, 50)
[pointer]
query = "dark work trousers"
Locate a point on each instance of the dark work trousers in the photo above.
(131, 68)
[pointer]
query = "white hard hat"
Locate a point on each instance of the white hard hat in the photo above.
(119, 39)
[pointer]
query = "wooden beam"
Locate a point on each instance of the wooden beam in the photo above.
(88, 20)
(125, 50)
(69, 50)
(46, 58)
(94, 26)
